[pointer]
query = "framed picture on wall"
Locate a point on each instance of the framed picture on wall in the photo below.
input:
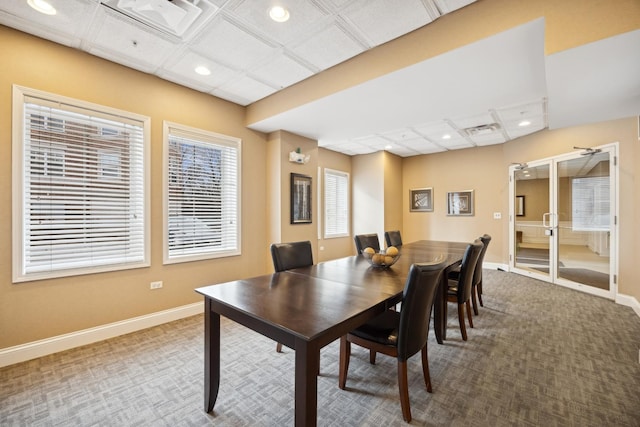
(519, 205)
(421, 200)
(460, 203)
(300, 199)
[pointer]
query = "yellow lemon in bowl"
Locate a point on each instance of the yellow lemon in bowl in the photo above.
(378, 259)
(392, 251)
(368, 252)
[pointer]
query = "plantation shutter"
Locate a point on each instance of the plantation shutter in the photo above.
(336, 203)
(202, 194)
(83, 198)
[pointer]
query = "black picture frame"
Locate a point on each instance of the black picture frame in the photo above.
(519, 205)
(300, 199)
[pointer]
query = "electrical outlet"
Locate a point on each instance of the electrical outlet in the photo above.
(497, 215)
(155, 285)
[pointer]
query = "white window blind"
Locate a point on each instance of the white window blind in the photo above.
(81, 197)
(590, 203)
(202, 194)
(336, 203)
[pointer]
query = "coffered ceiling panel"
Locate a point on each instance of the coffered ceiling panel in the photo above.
(382, 20)
(308, 17)
(232, 45)
(115, 38)
(281, 71)
(328, 47)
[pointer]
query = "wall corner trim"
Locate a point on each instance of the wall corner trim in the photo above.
(35, 349)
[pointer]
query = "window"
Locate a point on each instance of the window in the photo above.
(202, 194)
(336, 203)
(590, 203)
(79, 196)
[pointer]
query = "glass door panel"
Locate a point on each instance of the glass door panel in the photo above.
(584, 225)
(532, 219)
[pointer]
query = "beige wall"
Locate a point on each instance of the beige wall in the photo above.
(368, 195)
(485, 170)
(471, 169)
(536, 198)
(35, 310)
(278, 209)
(393, 203)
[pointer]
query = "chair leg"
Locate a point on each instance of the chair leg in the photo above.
(372, 357)
(480, 293)
(403, 387)
(279, 348)
(469, 314)
(474, 301)
(345, 354)
(463, 328)
(425, 369)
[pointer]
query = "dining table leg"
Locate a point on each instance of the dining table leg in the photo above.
(306, 383)
(211, 356)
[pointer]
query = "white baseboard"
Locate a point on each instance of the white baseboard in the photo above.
(629, 301)
(35, 349)
(495, 266)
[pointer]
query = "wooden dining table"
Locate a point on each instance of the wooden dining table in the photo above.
(307, 308)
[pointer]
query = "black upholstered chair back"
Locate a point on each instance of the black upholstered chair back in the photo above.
(467, 270)
(477, 274)
(291, 255)
(417, 301)
(393, 238)
(367, 241)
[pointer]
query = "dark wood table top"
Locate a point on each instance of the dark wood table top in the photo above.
(304, 306)
(357, 271)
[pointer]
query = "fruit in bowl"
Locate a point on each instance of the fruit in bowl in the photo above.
(381, 259)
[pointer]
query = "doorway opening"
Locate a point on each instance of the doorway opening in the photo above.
(563, 220)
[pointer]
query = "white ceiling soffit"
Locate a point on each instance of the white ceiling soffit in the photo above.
(595, 82)
(471, 86)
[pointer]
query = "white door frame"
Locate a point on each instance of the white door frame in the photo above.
(611, 293)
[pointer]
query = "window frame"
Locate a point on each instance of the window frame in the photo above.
(202, 137)
(21, 97)
(347, 176)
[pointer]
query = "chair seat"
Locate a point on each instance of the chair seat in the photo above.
(382, 329)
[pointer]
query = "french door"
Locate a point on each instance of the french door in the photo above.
(563, 224)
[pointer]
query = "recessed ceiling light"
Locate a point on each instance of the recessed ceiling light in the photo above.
(279, 14)
(446, 136)
(524, 123)
(202, 70)
(42, 6)
(388, 147)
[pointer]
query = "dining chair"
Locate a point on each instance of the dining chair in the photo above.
(286, 256)
(367, 241)
(399, 334)
(393, 238)
(459, 291)
(476, 284)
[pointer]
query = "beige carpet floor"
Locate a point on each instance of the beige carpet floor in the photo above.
(540, 355)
